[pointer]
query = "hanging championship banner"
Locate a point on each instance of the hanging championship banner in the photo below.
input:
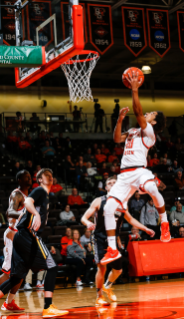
(65, 20)
(37, 12)
(8, 23)
(100, 27)
(134, 29)
(158, 31)
(180, 18)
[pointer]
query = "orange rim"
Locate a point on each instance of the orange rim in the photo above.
(84, 52)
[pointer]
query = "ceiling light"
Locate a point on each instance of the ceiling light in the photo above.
(146, 69)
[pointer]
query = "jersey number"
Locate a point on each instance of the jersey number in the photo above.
(130, 143)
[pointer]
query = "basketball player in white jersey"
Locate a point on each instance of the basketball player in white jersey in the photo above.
(134, 175)
(16, 208)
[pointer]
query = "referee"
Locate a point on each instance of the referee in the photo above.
(29, 252)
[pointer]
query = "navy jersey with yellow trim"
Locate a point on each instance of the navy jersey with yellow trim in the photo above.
(100, 222)
(41, 203)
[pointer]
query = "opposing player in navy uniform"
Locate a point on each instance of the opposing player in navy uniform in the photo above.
(100, 242)
(29, 251)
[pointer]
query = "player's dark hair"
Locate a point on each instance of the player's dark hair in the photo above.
(41, 172)
(111, 177)
(20, 174)
(161, 122)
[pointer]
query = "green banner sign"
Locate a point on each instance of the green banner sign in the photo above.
(26, 56)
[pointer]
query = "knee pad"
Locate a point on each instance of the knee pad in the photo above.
(151, 188)
(110, 206)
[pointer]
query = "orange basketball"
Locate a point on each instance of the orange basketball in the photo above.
(130, 71)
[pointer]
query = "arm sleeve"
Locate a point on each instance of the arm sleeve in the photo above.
(142, 215)
(148, 135)
(37, 193)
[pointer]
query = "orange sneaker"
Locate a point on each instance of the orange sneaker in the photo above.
(100, 301)
(110, 256)
(11, 307)
(165, 232)
(52, 311)
(109, 293)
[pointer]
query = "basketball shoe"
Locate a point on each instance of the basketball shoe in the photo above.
(100, 301)
(11, 307)
(109, 292)
(110, 255)
(52, 311)
(165, 232)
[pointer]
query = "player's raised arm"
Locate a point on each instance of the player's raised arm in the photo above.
(95, 205)
(17, 200)
(118, 136)
(137, 107)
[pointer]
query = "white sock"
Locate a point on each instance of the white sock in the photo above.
(163, 218)
(9, 298)
(112, 242)
(108, 284)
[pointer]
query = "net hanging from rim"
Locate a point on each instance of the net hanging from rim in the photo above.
(78, 72)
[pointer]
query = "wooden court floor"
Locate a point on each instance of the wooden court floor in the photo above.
(153, 300)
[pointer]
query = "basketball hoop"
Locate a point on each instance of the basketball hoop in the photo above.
(78, 72)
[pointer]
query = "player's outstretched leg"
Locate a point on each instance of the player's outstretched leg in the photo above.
(99, 280)
(113, 275)
(151, 188)
(110, 226)
(9, 305)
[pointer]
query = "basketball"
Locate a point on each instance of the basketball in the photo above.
(130, 71)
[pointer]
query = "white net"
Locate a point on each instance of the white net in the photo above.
(78, 73)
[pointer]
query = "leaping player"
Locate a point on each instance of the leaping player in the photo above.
(100, 242)
(15, 209)
(134, 175)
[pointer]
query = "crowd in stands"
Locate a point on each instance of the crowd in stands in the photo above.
(85, 165)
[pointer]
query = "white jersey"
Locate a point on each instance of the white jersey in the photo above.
(137, 145)
(12, 221)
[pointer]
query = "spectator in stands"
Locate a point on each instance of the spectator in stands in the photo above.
(47, 150)
(39, 142)
(175, 167)
(16, 168)
(19, 122)
(116, 166)
(168, 160)
(155, 161)
(69, 169)
(57, 144)
(136, 204)
(75, 199)
(103, 169)
(162, 167)
(112, 157)
(68, 143)
(12, 141)
(76, 255)
(176, 202)
(99, 114)
(29, 280)
(89, 157)
(177, 215)
(133, 236)
(29, 167)
(100, 157)
(181, 232)
(56, 189)
(149, 214)
(95, 147)
(104, 149)
(64, 242)
(91, 171)
(81, 173)
(61, 139)
(38, 168)
(24, 146)
(34, 127)
(76, 118)
(86, 238)
(101, 185)
(67, 217)
(112, 171)
(80, 158)
(179, 145)
(149, 161)
(161, 186)
(118, 149)
(179, 180)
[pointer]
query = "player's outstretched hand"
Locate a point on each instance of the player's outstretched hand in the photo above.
(90, 225)
(123, 112)
(134, 81)
(36, 222)
(150, 232)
